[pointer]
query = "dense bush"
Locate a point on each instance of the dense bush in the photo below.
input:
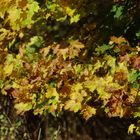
(81, 56)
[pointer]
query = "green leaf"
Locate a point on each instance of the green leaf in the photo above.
(138, 34)
(30, 50)
(1, 84)
(33, 7)
(114, 8)
(136, 85)
(37, 41)
(136, 114)
(51, 6)
(9, 58)
(77, 68)
(75, 18)
(62, 18)
(118, 10)
(102, 49)
(133, 75)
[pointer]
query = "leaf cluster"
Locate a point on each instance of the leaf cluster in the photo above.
(49, 76)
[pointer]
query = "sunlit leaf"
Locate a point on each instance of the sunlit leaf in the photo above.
(118, 10)
(118, 40)
(33, 7)
(136, 114)
(8, 69)
(88, 112)
(131, 129)
(23, 107)
(14, 15)
(72, 106)
(133, 75)
(75, 18)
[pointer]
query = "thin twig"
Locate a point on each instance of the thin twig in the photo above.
(39, 134)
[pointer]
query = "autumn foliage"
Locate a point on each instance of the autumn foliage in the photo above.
(52, 58)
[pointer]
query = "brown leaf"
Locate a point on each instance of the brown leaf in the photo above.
(120, 77)
(27, 66)
(124, 58)
(21, 51)
(22, 3)
(135, 62)
(65, 89)
(118, 40)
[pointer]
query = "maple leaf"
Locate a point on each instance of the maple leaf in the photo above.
(135, 62)
(9, 65)
(120, 77)
(88, 112)
(5, 5)
(23, 107)
(118, 40)
(136, 114)
(124, 58)
(33, 7)
(133, 94)
(45, 51)
(22, 4)
(75, 48)
(70, 11)
(131, 128)
(14, 15)
(51, 92)
(3, 33)
(75, 18)
(72, 105)
(90, 85)
(111, 62)
(133, 75)
(102, 49)
(8, 69)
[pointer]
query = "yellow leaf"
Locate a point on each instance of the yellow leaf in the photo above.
(97, 65)
(88, 112)
(118, 40)
(14, 15)
(70, 11)
(76, 93)
(75, 18)
(3, 33)
(103, 95)
(23, 107)
(51, 92)
(8, 69)
(77, 87)
(77, 44)
(72, 105)
(131, 128)
(90, 85)
(111, 61)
